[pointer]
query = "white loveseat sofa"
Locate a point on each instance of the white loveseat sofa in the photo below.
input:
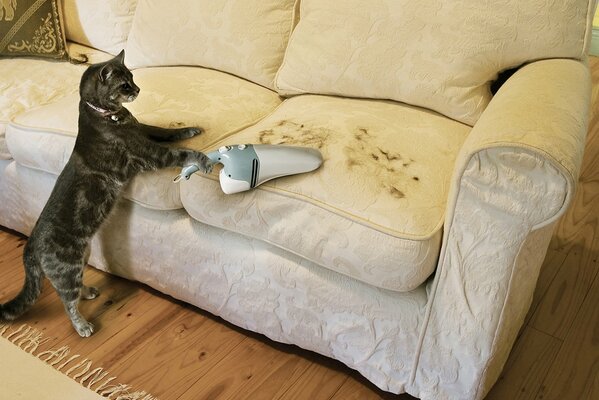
(412, 254)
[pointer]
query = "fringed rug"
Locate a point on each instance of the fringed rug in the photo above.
(28, 373)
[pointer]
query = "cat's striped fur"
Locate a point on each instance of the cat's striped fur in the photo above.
(111, 148)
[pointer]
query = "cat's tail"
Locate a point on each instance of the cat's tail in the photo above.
(29, 293)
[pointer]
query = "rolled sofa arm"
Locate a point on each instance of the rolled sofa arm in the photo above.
(514, 177)
(543, 107)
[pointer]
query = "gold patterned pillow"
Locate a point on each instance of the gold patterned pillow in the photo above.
(31, 28)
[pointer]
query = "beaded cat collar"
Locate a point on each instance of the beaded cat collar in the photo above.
(103, 112)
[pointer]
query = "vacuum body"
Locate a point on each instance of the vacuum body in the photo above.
(246, 166)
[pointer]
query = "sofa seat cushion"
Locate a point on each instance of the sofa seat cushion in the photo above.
(374, 210)
(43, 138)
(28, 83)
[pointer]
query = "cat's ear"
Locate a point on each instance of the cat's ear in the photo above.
(108, 68)
(105, 72)
(120, 58)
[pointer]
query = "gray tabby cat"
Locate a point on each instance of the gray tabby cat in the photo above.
(111, 148)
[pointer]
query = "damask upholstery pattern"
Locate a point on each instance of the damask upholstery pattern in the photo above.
(246, 38)
(246, 281)
(32, 28)
(24, 84)
(377, 332)
(43, 138)
(514, 175)
(103, 25)
(376, 158)
(488, 270)
(438, 55)
(528, 100)
(518, 169)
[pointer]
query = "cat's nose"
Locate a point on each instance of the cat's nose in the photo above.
(135, 93)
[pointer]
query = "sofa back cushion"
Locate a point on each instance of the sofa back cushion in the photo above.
(103, 25)
(441, 55)
(246, 38)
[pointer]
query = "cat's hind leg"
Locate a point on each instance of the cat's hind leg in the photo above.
(67, 279)
(88, 292)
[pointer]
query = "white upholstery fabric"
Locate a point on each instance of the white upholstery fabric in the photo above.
(487, 276)
(511, 182)
(549, 118)
(4, 154)
(219, 103)
(27, 83)
(439, 55)
(376, 159)
(247, 282)
(103, 25)
(13, 212)
(478, 301)
(43, 138)
(515, 176)
(92, 55)
(243, 37)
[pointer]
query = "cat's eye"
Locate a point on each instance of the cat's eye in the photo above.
(125, 86)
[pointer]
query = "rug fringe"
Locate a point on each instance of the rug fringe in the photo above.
(58, 354)
(29, 339)
(26, 337)
(94, 377)
(122, 393)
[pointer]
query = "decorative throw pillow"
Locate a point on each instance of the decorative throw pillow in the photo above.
(31, 28)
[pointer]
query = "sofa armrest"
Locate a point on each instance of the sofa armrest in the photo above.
(514, 177)
(543, 107)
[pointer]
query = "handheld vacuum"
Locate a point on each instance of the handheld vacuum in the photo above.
(246, 166)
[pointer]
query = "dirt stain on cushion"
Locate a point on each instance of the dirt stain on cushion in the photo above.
(294, 134)
(388, 168)
(384, 168)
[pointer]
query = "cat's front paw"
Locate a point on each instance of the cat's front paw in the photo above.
(187, 133)
(89, 292)
(84, 328)
(205, 163)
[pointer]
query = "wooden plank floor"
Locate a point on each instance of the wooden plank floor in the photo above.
(176, 351)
